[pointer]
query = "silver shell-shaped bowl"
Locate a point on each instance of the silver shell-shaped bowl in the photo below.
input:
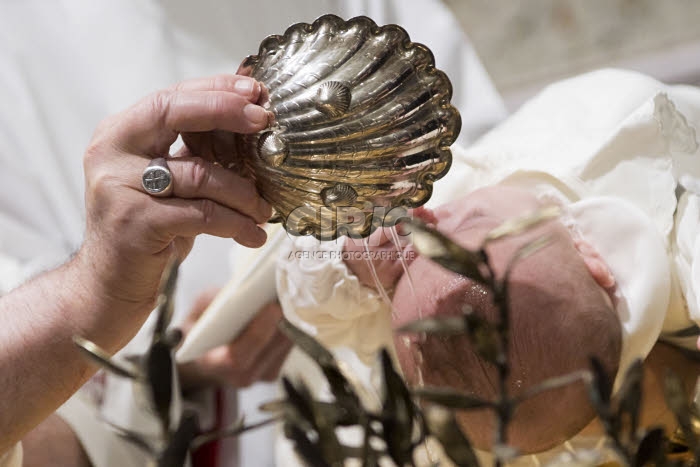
(363, 125)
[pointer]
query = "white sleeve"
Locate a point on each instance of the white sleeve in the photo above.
(319, 294)
(13, 457)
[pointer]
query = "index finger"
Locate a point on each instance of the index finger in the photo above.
(153, 124)
(244, 86)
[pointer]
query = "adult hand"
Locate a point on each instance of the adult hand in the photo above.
(105, 292)
(257, 354)
(129, 234)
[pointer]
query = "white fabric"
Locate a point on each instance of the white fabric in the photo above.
(13, 457)
(320, 295)
(613, 148)
(639, 264)
(69, 63)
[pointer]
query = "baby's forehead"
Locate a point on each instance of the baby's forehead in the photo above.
(497, 200)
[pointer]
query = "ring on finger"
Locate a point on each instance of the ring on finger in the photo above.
(157, 179)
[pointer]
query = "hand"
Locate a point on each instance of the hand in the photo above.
(384, 254)
(257, 354)
(130, 235)
(220, 145)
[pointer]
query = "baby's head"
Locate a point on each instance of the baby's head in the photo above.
(561, 315)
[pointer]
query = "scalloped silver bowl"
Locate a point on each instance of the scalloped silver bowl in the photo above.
(363, 125)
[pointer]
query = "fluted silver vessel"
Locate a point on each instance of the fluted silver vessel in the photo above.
(363, 124)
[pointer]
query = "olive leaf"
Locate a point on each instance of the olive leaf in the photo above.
(451, 398)
(651, 448)
(306, 449)
(332, 411)
(134, 438)
(553, 383)
(486, 338)
(165, 305)
(629, 397)
(398, 411)
(676, 400)
(443, 425)
(448, 254)
(340, 387)
(601, 387)
(177, 449)
(328, 444)
(159, 378)
(235, 429)
(102, 358)
(521, 224)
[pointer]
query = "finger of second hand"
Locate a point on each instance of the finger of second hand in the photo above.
(256, 337)
(188, 218)
(197, 178)
(270, 368)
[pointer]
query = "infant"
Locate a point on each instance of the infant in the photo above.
(561, 315)
(617, 151)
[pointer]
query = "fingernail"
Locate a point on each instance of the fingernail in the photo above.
(260, 236)
(265, 208)
(255, 114)
(244, 86)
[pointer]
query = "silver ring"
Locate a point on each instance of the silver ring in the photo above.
(157, 179)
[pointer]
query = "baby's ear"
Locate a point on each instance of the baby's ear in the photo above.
(595, 264)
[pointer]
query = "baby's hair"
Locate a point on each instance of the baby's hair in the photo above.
(560, 317)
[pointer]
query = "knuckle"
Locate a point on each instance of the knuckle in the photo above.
(207, 210)
(92, 154)
(159, 102)
(99, 144)
(219, 104)
(247, 193)
(224, 82)
(100, 186)
(198, 173)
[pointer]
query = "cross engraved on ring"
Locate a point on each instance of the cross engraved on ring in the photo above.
(156, 180)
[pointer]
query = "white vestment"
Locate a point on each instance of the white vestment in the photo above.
(67, 64)
(617, 150)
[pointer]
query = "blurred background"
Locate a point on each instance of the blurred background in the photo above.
(525, 44)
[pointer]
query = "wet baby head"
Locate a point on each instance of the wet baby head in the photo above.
(561, 315)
